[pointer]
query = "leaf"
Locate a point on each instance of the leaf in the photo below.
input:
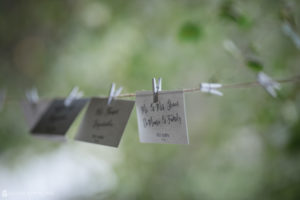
(229, 13)
(255, 65)
(293, 145)
(190, 32)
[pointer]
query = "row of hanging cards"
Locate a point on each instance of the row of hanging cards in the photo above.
(103, 123)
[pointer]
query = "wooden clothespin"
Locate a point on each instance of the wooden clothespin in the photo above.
(113, 94)
(211, 88)
(156, 87)
(74, 94)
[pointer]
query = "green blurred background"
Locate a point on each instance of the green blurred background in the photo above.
(244, 145)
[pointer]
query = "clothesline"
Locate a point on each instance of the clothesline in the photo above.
(225, 86)
(198, 89)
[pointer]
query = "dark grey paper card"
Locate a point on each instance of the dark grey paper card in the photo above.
(34, 111)
(104, 124)
(58, 118)
(164, 121)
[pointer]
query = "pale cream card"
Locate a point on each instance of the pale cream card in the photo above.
(104, 124)
(164, 121)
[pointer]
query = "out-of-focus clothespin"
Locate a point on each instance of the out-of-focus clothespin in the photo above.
(156, 87)
(74, 94)
(113, 93)
(289, 25)
(32, 95)
(211, 88)
(231, 48)
(268, 84)
(290, 32)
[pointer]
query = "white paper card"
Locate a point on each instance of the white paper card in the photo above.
(164, 121)
(57, 119)
(34, 111)
(104, 124)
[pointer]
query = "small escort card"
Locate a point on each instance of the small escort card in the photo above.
(104, 124)
(163, 121)
(57, 119)
(34, 111)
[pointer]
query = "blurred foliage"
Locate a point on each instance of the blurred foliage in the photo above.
(244, 145)
(231, 13)
(190, 32)
(287, 14)
(255, 65)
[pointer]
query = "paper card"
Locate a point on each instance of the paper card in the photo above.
(164, 121)
(104, 124)
(58, 118)
(33, 111)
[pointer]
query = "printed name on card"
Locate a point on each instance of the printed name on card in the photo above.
(104, 124)
(163, 121)
(34, 111)
(57, 119)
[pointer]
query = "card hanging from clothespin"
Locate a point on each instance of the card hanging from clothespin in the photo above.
(2, 98)
(105, 119)
(156, 87)
(32, 95)
(74, 94)
(268, 84)
(211, 88)
(161, 119)
(113, 94)
(59, 115)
